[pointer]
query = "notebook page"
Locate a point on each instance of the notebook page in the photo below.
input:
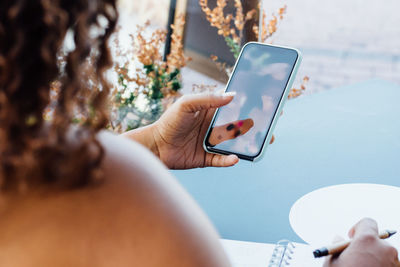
(303, 257)
(331, 211)
(248, 254)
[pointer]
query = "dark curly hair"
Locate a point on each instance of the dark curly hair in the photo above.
(35, 151)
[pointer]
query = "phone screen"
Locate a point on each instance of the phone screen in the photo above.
(260, 78)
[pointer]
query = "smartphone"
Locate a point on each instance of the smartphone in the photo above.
(262, 78)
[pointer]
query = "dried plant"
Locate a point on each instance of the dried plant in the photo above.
(176, 59)
(231, 27)
(143, 92)
(224, 68)
(269, 27)
(146, 85)
(298, 92)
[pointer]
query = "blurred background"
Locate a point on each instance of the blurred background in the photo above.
(343, 41)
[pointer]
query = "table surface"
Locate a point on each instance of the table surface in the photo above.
(345, 135)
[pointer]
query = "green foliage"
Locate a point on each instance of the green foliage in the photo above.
(159, 80)
(233, 46)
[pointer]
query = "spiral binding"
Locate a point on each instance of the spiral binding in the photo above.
(282, 254)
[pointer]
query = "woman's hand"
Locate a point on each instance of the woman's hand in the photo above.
(180, 132)
(177, 137)
(366, 249)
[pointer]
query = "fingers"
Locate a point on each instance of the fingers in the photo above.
(392, 254)
(365, 234)
(221, 160)
(199, 102)
(366, 249)
(382, 250)
(364, 227)
(331, 259)
(336, 239)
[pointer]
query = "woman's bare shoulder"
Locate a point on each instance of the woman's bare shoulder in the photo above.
(165, 216)
(152, 214)
(139, 214)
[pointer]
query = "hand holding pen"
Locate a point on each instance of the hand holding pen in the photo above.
(366, 249)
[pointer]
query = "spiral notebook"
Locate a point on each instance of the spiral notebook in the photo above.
(282, 254)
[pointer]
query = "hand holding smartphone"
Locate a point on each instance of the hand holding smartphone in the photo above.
(262, 78)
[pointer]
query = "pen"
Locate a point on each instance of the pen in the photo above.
(339, 247)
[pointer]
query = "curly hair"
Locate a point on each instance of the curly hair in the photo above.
(35, 151)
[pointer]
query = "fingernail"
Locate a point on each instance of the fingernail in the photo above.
(230, 127)
(228, 94)
(234, 158)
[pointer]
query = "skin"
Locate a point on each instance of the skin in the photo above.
(139, 215)
(177, 138)
(366, 249)
(361, 252)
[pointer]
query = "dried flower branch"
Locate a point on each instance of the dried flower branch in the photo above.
(230, 26)
(176, 59)
(270, 28)
(148, 51)
(222, 67)
(233, 31)
(294, 93)
(141, 95)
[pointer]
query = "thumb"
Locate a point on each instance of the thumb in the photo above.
(213, 160)
(365, 226)
(198, 102)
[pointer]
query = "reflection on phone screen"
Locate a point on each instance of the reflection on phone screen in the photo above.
(260, 79)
